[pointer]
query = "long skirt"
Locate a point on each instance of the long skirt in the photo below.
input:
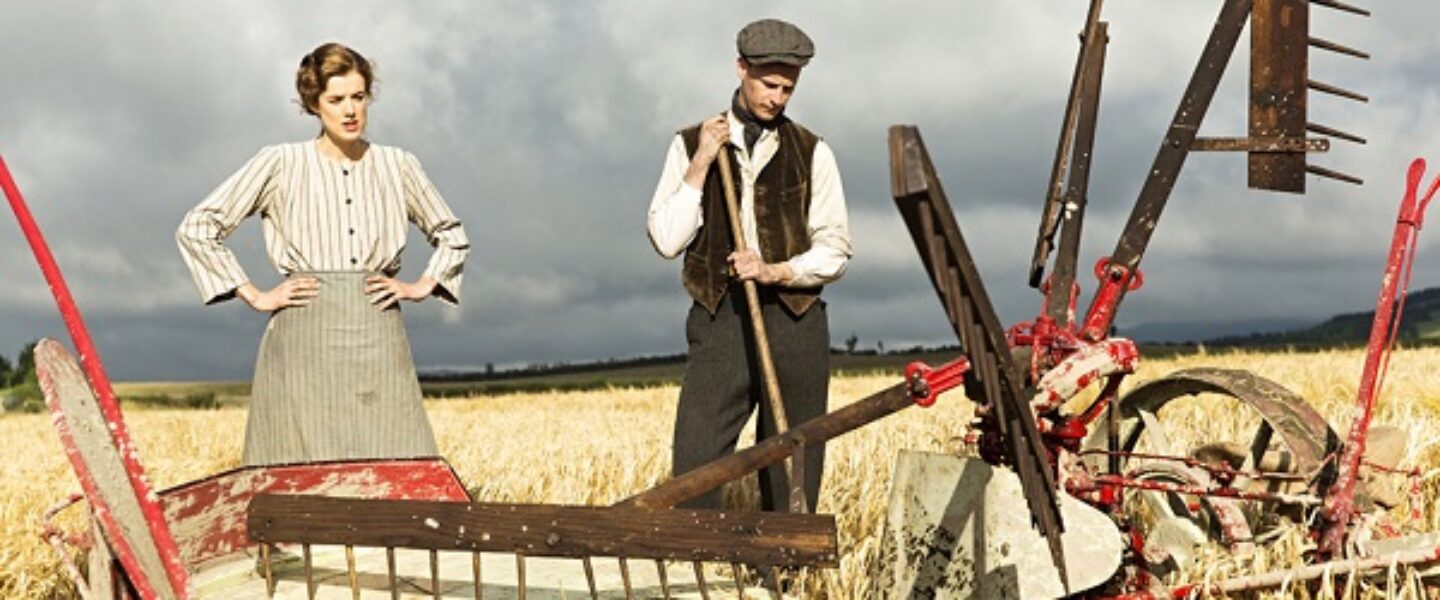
(334, 380)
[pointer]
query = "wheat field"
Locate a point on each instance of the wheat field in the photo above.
(598, 447)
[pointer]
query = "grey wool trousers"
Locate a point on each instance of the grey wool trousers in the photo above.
(723, 385)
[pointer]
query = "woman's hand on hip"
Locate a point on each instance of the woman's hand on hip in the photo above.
(385, 291)
(296, 291)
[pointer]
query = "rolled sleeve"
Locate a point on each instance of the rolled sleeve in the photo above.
(674, 216)
(202, 233)
(442, 230)
(830, 247)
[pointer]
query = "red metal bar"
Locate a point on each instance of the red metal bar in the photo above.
(1340, 498)
(926, 383)
(1100, 481)
(105, 395)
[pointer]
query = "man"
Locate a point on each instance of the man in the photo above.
(792, 213)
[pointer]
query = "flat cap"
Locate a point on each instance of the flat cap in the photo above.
(774, 41)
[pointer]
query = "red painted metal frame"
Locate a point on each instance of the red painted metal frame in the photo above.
(1339, 499)
(208, 515)
(110, 407)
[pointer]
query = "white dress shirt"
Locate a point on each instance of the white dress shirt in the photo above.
(675, 214)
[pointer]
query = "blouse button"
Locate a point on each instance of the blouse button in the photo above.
(348, 200)
(353, 261)
(352, 231)
(344, 171)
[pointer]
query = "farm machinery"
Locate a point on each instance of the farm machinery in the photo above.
(1110, 500)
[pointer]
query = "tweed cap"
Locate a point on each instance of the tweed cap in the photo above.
(774, 41)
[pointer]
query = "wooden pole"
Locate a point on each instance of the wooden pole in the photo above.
(757, 323)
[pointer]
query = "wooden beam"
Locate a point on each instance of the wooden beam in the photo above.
(781, 539)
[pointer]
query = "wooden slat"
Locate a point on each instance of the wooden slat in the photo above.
(542, 530)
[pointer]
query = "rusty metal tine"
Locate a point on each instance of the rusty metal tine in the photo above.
(435, 574)
(520, 574)
(350, 569)
(1323, 172)
(1334, 90)
(390, 570)
(625, 577)
(1337, 48)
(309, 572)
(735, 568)
(1332, 132)
(1341, 6)
(590, 578)
(700, 581)
(664, 579)
(479, 584)
(800, 581)
(269, 574)
(775, 590)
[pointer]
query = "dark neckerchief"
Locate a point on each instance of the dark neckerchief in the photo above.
(753, 126)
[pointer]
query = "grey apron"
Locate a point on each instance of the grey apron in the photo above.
(334, 380)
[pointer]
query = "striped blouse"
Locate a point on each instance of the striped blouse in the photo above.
(321, 214)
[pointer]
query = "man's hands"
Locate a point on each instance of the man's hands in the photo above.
(714, 133)
(748, 265)
(292, 292)
(385, 292)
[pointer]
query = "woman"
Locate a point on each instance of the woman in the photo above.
(334, 378)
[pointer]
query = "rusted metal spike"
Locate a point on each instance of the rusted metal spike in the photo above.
(1335, 133)
(625, 577)
(520, 574)
(700, 581)
(435, 574)
(390, 572)
(350, 569)
(269, 574)
(309, 572)
(1341, 6)
(1321, 86)
(664, 579)
(1337, 48)
(1323, 172)
(590, 578)
(776, 592)
(735, 568)
(479, 583)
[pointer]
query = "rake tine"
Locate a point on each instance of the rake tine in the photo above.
(475, 566)
(435, 574)
(309, 573)
(664, 579)
(590, 578)
(735, 568)
(520, 572)
(269, 575)
(800, 586)
(700, 581)
(775, 589)
(390, 568)
(625, 577)
(350, 568)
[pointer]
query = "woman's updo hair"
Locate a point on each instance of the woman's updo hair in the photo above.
(322, 63)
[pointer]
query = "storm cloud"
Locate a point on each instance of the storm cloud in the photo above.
(544, 125)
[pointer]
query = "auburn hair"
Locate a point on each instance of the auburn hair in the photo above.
(326, 61)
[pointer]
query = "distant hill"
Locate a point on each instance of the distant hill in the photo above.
(1420, 324)
(1189, 332)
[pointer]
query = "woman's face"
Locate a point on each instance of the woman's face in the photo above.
(341, 107)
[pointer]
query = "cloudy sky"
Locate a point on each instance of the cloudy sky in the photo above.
(544, 124)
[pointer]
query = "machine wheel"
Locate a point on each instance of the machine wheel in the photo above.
(1265, 425)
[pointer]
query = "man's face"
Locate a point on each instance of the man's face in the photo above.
(766, 89)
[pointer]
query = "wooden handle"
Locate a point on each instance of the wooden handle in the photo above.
(757, 323)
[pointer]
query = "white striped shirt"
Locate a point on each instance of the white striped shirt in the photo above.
(321, 214)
